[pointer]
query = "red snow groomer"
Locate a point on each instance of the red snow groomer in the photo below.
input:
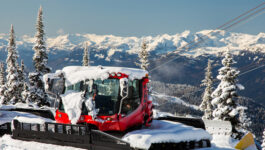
(119, 96)
(99, 107)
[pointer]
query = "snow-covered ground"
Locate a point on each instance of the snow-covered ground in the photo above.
(7, 143)
(19, 105)
(175, 100)
(160, 131)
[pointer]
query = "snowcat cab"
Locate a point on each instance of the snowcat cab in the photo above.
(119, 96)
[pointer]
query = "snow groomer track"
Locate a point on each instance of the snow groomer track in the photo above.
(162, 134)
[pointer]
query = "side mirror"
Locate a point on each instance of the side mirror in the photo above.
(124, 87)
(90, 84)
(54, 83)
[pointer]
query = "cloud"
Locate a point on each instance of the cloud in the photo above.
(60, 31)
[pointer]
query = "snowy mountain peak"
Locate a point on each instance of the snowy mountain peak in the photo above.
(214, 42)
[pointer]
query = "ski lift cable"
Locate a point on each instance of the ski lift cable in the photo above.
(204, 40)
(251, 70)
(218, 28)
(228, 28)
(215, 81)
(247, 71)
(223, 25)
(244, 18)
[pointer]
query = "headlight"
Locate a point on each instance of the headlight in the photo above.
(109, 119)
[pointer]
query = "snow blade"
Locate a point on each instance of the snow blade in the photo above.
(194, 122)
(45, 113)
(218, 127)
(181, 145)
(80, 136)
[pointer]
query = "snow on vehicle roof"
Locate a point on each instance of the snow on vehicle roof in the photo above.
(74, 74)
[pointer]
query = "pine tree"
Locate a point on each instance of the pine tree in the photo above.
(21, 78)
(40, 59)
(263, 142)
(3, 99)
(86, 56)
(225, 95)
(36, 90)
(143, 56)
(244, 120)
(12, 84)
(24, 84)
(26, 93)
(206, 105)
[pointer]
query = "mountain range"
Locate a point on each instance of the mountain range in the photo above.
(187, 61)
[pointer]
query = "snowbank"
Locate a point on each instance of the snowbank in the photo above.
(164, 131)
(8, 116)
(34, 120)
(19, 105)
(74, 74)
(224, 141)
(157, 114)
(72, 102)
(7, 143)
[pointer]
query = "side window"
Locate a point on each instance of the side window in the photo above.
(70, 87)
(132, 103)
(76, 87)
(136, 88)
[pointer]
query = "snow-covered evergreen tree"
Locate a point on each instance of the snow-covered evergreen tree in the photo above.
(26, 93)
(40, 59)
(86, 56)
(36, 94)
(24, 86)
(225, 95)
(3, 99)
(12, 93)
(244, 120)
(263, 142)
(206, 105)
(143, 55)
(21, 78)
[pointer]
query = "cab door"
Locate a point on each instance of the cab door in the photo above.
(133, 108)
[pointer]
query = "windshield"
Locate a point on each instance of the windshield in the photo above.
(106, 94)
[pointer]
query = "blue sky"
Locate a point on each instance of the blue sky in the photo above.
(126, 17)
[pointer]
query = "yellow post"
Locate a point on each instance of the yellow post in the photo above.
(245, 142)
